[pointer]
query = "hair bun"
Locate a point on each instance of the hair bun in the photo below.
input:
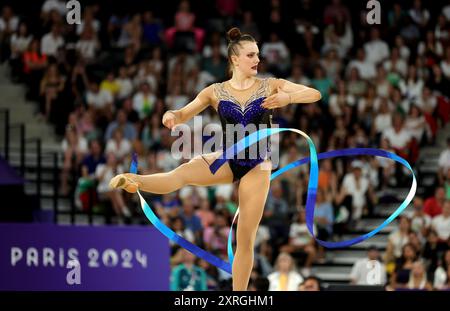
(234, 34)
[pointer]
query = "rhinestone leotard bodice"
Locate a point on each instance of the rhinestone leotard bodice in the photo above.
(231, 112)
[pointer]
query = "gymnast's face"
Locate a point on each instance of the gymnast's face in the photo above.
(248, 59)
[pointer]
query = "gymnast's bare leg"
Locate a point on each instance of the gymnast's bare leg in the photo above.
(195, 172)
(253, 190)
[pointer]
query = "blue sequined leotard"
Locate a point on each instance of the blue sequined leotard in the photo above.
(231, 112)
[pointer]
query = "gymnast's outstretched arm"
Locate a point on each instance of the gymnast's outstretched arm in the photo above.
(173, 117)
(195, 172)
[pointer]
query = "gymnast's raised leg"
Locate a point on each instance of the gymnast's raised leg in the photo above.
(195, 172)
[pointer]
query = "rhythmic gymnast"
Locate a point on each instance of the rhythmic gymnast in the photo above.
(243, 99)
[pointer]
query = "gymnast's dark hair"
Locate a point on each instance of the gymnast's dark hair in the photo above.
(235, 37)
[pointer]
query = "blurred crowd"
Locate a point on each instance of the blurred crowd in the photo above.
(105, 83)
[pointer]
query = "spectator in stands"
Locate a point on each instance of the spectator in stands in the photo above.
(131, 35)
(184, 23)
(366, 68)
(355, 85)
(20, 40)
(215, 237)
(177, 225)
(418, 277)
(74, 148)
(397, 240)
(433, 205)
(369, 270)
(301, 244)
(205, 214)
(339, 99)
(420, 221)
(310, 284)
(276, 54)
(52, 41)
(324, 219)
(444, 163)
(88, 45)
(100, 103)
(441, 277)
(285, 277)
(260, 284)
(398, 136)
(8, 25)
(92, 159)
(441, 223)
(129, 131)
(403, 266)
(144, 101)
(51, 88)
(276, 213)
(187, 276)
(354, 189)
(416, 124)
(191, 220)
(376, 49)
(119, 145)
(34, 64)
(431, 251)
(53, 5)
(103, 173)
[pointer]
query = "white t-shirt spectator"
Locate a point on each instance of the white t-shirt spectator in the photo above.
(103, 185)
(95, 24)
(87, 48)
(82, 145)
(142, 104)
(362, 269)
(411, 89)
(438, 49)
(19, 44)
(440, 277)
(398, 241)
(59, 6)
(299, 234)
(376, 51)
(120, 150)
(399, 66)
(335, 108)
(274, 52)
(420, 222)
(125, 87)
(442, 226)
(416, 126)
(382, 122)
(445, 66)
(51, 44)
(357, 191)
(446, 12)
(293, 281)
(100, 99)
(11, 24)
(365, 68)
(399, 139)
(444, 160)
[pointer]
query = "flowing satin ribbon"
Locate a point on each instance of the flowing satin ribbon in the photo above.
(310, 200)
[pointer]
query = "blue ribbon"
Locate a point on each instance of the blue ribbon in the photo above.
(310, 200)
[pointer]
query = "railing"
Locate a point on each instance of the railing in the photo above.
(23, 143)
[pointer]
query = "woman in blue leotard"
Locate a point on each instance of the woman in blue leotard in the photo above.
(241, 102)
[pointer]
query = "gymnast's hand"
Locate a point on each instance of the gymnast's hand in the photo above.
(277, 100)
(169, 119)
